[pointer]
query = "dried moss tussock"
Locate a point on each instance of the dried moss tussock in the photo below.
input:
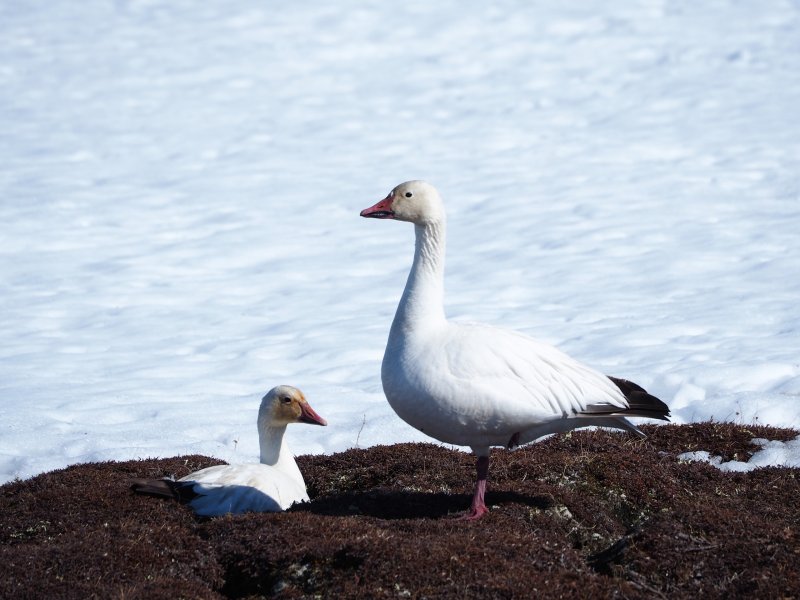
(590, 514)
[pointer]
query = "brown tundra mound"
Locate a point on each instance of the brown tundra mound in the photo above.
(591, 514)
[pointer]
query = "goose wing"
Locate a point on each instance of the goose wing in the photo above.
(243, 488)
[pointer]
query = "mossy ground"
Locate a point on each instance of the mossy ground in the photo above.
(588, 514)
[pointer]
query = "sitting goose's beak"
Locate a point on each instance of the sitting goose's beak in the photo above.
(308, 415)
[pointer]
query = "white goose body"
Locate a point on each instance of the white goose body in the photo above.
(272, 485)
(239, 489)
(476, 385)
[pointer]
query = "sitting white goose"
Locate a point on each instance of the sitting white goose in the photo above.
(480, 386)
(272, 485)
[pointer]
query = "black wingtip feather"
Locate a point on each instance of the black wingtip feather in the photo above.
(640, 403)
(164, 488)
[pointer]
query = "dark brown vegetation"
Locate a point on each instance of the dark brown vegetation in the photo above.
(591, 514)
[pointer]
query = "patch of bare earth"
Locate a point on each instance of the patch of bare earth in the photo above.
(589, 514)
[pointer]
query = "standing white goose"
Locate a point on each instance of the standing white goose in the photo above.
(272, 485)
(479, 386)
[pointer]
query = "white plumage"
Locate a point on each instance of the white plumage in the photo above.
(238, 489)
(272, 485)
(480, 386)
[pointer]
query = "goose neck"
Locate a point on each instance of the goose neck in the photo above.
(275, 453)
(423, 297)
(273, 450)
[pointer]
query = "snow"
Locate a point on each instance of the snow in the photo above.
(180, 185)
(772, 453)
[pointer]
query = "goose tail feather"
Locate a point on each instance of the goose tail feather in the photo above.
(640, 404)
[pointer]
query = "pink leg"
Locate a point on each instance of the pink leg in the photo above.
(478, 507)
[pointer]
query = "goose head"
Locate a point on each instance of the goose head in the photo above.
(415, 201)
(285, 404)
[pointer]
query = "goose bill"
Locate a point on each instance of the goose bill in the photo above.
(307, 415)
(381, 210)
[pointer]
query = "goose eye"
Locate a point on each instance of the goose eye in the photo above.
(409, 194)
(286, 400)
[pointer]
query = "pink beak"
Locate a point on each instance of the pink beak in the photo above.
(308, 415)
(381, 210)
